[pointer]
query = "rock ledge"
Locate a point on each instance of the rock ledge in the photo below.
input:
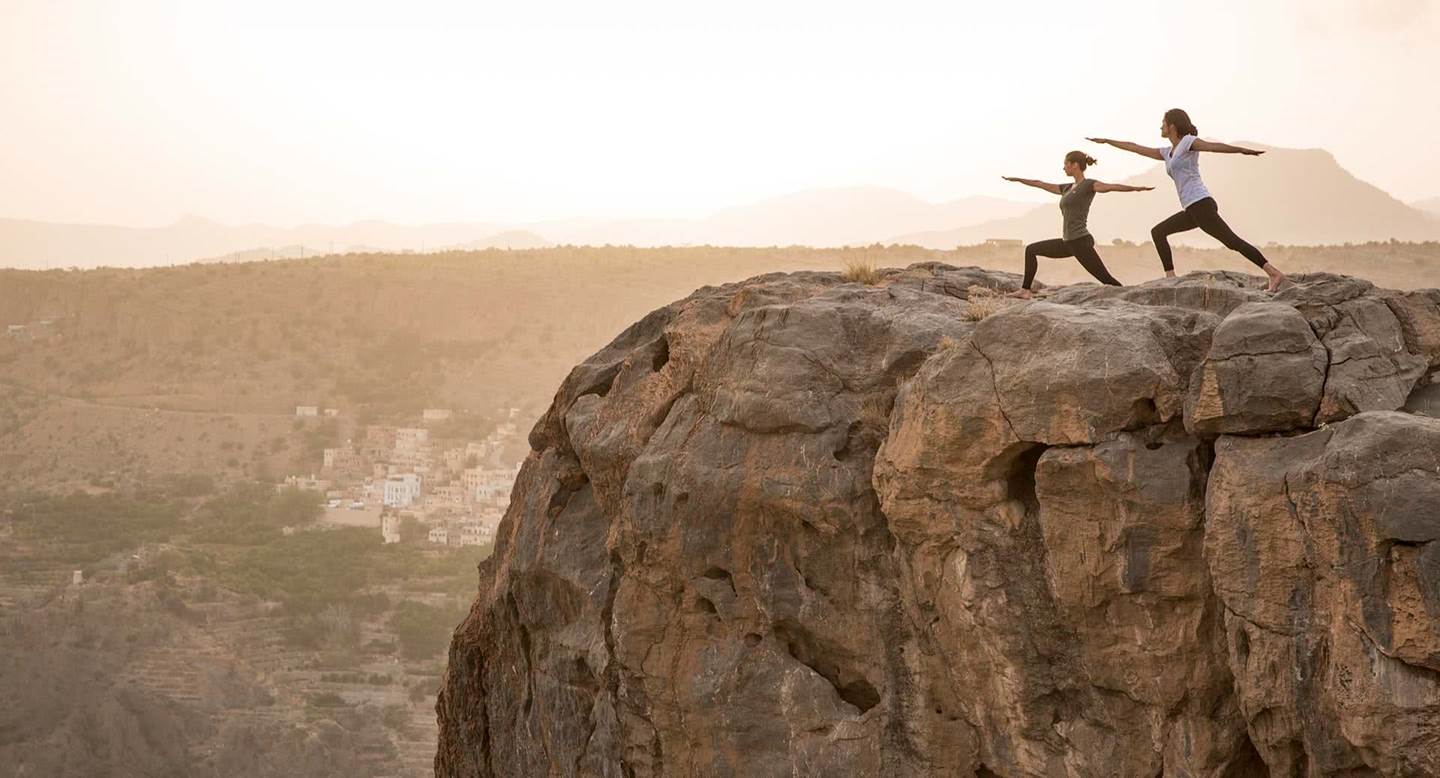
(798, 526)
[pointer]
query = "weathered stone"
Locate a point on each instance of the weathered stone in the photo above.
(1419, 315)
(1065, 374)
(800, 526)
(1122, 523)
(1321, 547)
(1265, 372)
(1216, 292)
(1370, 367)
(1315, 291)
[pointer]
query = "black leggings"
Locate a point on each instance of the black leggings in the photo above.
(1082, 249)
(1204, 214)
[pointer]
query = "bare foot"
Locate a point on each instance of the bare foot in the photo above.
(1276, 279)
(1023, 294)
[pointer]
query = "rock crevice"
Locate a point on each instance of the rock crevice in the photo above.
(798, 526)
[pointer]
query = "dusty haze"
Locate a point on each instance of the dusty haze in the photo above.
(286, 113)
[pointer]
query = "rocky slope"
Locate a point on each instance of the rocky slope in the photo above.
(798, 526)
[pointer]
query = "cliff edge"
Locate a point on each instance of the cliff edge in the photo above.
(796, 526)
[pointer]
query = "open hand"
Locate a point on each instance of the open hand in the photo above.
(1011, 178)
(1146, 188)
(1101, 141)
(1251, 152)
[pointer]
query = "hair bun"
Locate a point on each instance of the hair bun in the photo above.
(1089, 160)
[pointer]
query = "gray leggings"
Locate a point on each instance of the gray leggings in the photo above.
(1082, 248)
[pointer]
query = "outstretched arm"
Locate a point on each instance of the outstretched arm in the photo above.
(1223, 148)
(1101, 186)
(1144, 151)
(1051, 188)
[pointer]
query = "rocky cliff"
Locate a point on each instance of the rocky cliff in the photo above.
(798, 526)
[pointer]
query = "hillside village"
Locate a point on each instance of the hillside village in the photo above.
(457, 490)
(318, 605)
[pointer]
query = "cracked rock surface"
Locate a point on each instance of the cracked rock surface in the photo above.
(796, 526)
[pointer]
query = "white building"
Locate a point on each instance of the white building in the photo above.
(341, 459)
(412, 447)
(435, 414)
(484, 484)
(455, 459)
(307, 410)
(401, 490)
(390, 528)
(449, 494)
(490, 491)
(476, 534)
(440, 535)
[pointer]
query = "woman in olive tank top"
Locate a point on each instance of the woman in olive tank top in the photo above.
(1075, 240)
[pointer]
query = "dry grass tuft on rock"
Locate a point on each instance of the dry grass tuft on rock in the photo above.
(981, 301)
(862, 272)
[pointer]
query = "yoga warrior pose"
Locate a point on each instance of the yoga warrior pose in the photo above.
(1075, 240)
(1182, 162)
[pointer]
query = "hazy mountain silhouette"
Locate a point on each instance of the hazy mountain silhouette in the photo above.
(823, 217)
(509, 239)
(43, 244)
(1291, 196)
(1430, 206)
(843, 216)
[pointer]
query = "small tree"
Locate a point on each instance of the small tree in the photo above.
(341, 628)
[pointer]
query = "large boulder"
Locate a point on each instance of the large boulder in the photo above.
(1419, 315)
(1322, 549)
(1122, 523)
(1265, 372)
(803, 526)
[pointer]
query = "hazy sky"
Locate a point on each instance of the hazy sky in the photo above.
(285, 111)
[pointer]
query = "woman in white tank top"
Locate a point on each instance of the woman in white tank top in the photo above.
(1182, 163)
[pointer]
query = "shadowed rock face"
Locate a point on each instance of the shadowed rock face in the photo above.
(796, 526)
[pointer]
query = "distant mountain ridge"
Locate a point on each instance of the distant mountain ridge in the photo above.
(192, 238)
(821, 217)
(825, 218)
(1289, 196)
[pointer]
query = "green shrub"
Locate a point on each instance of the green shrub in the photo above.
(83, 529)
(252, 513)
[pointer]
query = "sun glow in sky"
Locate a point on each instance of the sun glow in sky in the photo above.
(284, 111)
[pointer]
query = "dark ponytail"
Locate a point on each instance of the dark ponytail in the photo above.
(1181, 122)
(1080, 158)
